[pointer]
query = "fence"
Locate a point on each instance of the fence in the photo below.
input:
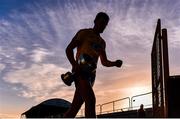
(120, 105)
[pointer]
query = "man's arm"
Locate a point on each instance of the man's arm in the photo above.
(108, 63)
(69, 51)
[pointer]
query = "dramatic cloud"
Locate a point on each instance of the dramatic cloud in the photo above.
(39, 54)
(33, 38)
(2, 66)
(39, 82)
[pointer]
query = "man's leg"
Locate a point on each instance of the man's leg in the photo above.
(88, 96)
(75, 106)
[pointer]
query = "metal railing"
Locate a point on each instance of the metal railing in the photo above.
(138, 96)
(113, 105)
(100, 107)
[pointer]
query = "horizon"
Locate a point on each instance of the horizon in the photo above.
(34, 35)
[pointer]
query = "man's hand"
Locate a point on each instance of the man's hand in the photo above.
(118, 63)
(75, 68)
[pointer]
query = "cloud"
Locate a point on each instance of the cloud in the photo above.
(8, 115)
(43, 29)
(39, 82)
(39, 54)
(34, 38)
(2, 66)
(20, 49)
(42, 32)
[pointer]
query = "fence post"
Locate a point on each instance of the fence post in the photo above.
(100, 109)
(113, 106)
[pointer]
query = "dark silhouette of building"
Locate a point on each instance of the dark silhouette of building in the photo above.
(166, 99)
(52, 108)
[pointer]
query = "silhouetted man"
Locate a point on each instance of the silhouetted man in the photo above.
(90, 46)
(141, 111)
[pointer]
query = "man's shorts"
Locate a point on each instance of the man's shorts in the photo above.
(90, 76)
(87, 68)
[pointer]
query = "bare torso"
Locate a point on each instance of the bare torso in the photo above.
(90, 44)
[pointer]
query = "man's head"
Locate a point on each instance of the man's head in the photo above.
(141, 106)
(101, 21)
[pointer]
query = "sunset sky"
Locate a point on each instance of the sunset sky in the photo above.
(35, 33)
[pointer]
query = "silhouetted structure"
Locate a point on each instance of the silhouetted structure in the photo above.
(164, 87)
(173, 96)
(52, 108)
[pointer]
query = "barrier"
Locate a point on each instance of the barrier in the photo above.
(113, 106)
